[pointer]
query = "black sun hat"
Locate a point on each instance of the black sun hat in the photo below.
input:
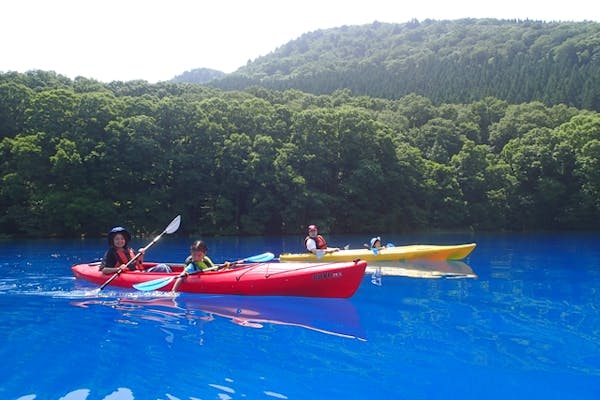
(121, 230)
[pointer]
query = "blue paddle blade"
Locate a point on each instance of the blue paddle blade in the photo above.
(375, 251)
(154, 284)
(260, 257)
(390, 245)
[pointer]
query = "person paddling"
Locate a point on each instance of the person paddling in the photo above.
(376, 243)
(119, 253)
(315, 243)
(196, 262)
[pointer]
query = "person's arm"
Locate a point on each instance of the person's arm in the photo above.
(311, 245)
(186, 271)
(105, 260)
(108, 266)
(139, 263)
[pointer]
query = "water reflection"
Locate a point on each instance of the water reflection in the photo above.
(83, 394)
(336, 317)
(419, 269)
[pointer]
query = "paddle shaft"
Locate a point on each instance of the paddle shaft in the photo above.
(162, 282)
(112, 278)
(258, 258)
(156, 284)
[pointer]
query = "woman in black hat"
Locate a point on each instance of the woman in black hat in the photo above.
(119, 254)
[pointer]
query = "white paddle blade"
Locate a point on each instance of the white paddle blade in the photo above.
(174, 225)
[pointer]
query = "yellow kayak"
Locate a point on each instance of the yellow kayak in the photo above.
(397, 253)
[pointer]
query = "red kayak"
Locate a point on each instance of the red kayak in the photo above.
(340, 279)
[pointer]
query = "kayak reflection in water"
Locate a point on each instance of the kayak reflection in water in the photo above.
(336, 317)
(421, 269)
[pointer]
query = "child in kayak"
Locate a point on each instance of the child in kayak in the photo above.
(376, 243)
(196, 262)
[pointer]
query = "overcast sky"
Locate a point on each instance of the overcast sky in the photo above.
(156, 40)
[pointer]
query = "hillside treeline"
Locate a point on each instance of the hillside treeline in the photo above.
(78, 157)
(459, 61)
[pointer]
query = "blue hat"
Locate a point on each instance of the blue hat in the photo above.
(121, 230)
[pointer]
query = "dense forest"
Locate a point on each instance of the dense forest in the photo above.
(457, 61)
(79, 156)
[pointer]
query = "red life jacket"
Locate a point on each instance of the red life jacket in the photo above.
(319, 240)
(125, 256)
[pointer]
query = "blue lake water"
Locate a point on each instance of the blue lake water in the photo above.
(526, 327)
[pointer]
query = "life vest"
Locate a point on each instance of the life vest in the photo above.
(201, 265)
(125, 255)
(319, 240)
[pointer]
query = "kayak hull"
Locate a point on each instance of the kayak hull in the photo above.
(338, 280)
(397, 253)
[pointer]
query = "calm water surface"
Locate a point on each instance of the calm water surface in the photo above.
(526, 327)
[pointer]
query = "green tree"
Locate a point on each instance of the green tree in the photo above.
(471, 167)
(15, 98)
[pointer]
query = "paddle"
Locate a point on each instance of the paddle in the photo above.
(172, 227)
(156, 284)
(320, 253)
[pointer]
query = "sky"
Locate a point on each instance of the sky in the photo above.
(155, 41)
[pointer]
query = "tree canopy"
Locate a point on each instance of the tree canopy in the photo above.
(78, 157)
(448, 61)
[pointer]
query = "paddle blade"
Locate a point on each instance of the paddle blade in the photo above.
(174, 225)
(264, 257)
(154, 284)
(320, 253)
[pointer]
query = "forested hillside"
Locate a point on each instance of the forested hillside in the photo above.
(458, 61)
(198, 75)
(78, 157)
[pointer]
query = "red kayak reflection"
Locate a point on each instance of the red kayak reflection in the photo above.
(336, 317)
